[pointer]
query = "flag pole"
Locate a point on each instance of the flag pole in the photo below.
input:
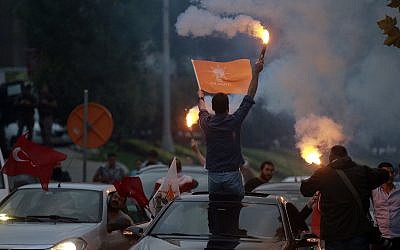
(85, 132)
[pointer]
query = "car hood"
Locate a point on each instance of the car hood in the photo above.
(150, 243)
(41, 233)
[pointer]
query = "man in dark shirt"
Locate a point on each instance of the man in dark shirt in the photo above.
(343, 225)
(267, 169)
(222, 132)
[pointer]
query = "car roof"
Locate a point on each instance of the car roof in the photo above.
(295, 178)
(164, 168)
(248, 198)
(279, 186)
(70, 185)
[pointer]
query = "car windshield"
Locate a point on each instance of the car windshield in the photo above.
(227, 219)
(149, 179)
(56, 204)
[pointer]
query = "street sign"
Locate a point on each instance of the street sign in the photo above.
(100, 125)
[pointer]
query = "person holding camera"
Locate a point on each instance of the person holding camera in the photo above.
(386, 203)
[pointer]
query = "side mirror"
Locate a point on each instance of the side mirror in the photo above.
(133, 232)
(307, 240)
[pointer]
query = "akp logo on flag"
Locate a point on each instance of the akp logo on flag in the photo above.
(168, 190)
(226, 77)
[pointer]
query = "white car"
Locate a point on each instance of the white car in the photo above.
(4, 188)
(68, 216)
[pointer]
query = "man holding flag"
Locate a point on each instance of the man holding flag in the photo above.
(222, 133)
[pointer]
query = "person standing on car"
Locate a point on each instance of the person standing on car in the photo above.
(222, 134)
(344, 222)
(25, 105)
(386, 202)
(46, 106)
(109, 172)
(267, 169)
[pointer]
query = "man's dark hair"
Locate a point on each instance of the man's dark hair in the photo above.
(266, 163)
(111, 155)
(338, 151)
(220, 103)
(385, 165)
(152, 153)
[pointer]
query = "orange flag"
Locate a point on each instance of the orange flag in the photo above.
(227, 77)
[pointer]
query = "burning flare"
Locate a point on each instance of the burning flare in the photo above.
(311, 155)
(262, 33)
(192, 116)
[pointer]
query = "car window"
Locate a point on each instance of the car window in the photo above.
(84, 205)
(221, 218)
(148, 180)
(137, 214)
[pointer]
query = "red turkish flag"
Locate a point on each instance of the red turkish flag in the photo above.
(132, 187)
(30, 158)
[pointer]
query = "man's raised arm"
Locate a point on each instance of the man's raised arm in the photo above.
(201, 104)
(258, 67)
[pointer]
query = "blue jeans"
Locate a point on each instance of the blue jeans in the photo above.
(226, 183)
(355, 243)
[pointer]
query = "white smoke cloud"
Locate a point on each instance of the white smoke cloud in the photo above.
(188, 23)
(318, 131)
(328, 59)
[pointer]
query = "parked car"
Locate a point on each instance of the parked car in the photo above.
(194, 222)
(4, 187)
(289, 190)
(59, 135)
(295, 178)
(149, 175)
(67, 216)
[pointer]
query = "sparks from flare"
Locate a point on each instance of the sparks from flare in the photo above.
(311, 155)
(192, 116)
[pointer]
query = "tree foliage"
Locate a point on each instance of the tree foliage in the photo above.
(388, 25)
(94, 45)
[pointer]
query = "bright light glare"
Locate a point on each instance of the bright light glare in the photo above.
(4, 217)
(192, 116)
(261, 32)
(311, 155)
(67, 245)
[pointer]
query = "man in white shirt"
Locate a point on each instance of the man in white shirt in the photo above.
(386, 201)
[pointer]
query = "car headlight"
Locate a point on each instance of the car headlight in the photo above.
(70, 244)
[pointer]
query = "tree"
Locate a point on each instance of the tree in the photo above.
(388, 25)
(94, 45)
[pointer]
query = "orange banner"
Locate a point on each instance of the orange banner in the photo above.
(227, 77)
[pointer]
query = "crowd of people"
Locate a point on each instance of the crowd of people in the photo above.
(341, 191)
(25, 105)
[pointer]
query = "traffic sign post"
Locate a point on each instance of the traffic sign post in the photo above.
(89, 127)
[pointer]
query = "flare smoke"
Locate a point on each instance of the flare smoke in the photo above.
(320, 132)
